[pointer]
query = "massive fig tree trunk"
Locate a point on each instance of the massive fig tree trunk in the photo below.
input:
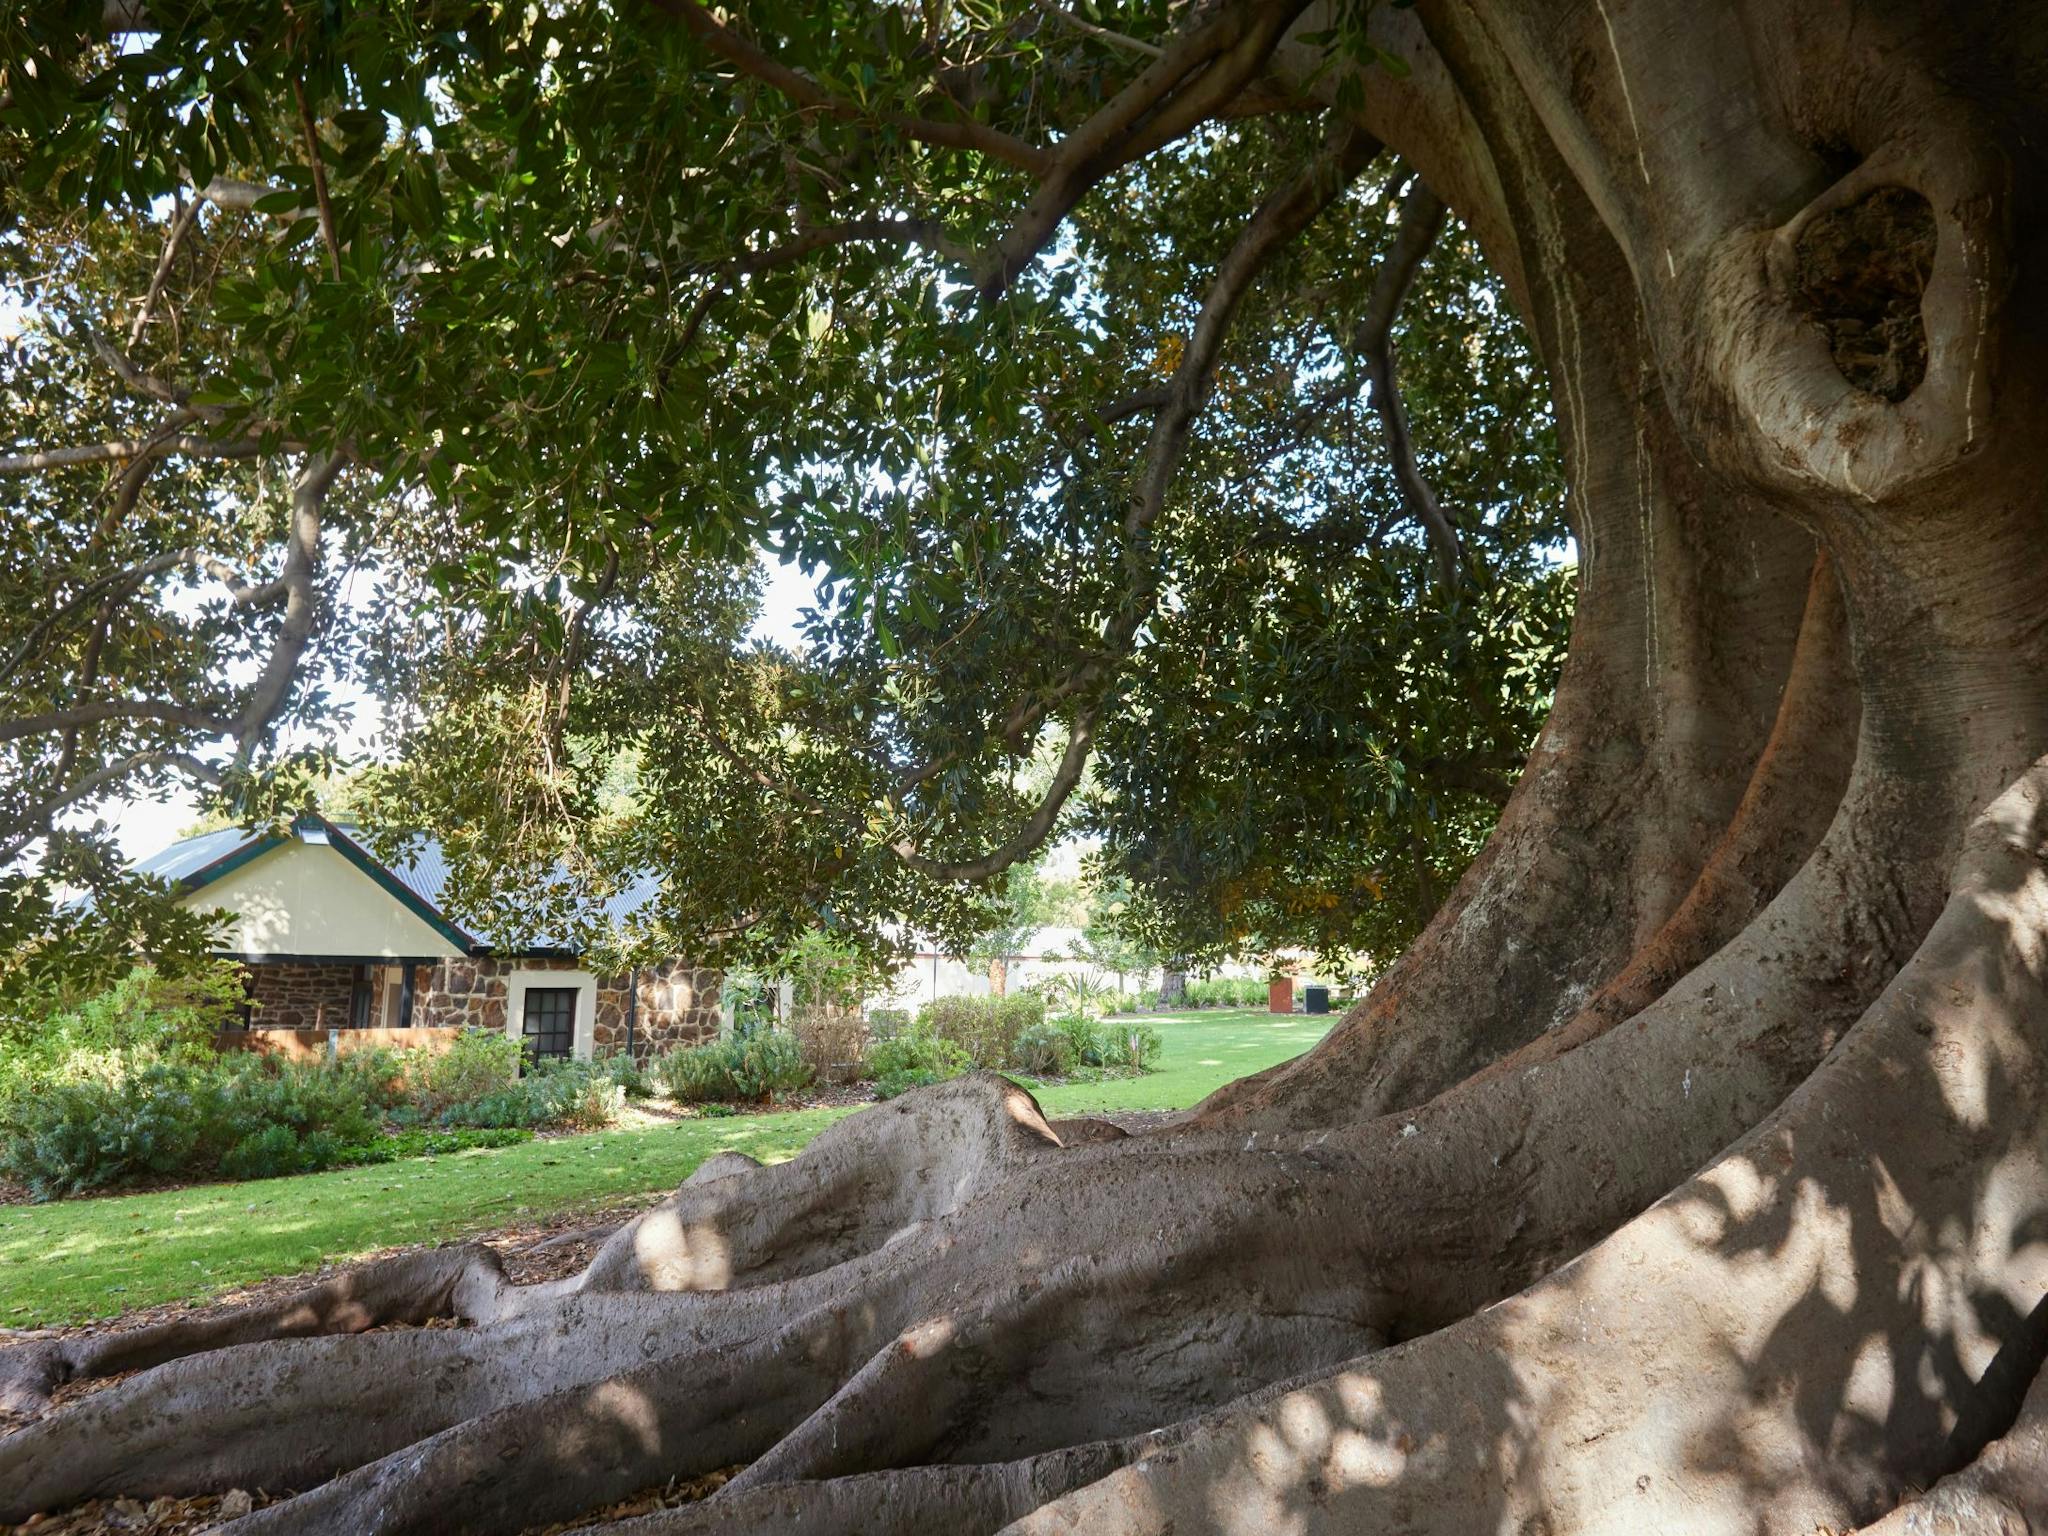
(1691, 1171)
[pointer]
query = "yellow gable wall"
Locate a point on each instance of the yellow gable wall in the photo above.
(307, 899)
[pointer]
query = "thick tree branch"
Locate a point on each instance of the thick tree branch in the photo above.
(319, 168)
(1073, 763)
(752, 60)
(156, 565)
(1115, 39)
(35, 821)
(96, 711)
(181, 222)
(1273, 225)
(1192, 79)
(1422, 219)
(927, 233)
(152, 386)
(119, 450)
(232, 196)
(301, 565)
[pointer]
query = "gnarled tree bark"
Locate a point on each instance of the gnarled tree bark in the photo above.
(1690, 1173)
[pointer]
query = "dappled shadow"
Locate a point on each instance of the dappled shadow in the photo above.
(1841, 1309)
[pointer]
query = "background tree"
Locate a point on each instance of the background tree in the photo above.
(299, 275)
(1686, 1170)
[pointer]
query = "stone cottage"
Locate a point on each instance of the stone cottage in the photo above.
(333, 938)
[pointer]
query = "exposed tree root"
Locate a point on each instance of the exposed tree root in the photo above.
(1786, 1341)
(1235, 1264)
(411, 1288)
(2004, 1492)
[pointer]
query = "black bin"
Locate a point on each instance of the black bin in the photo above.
(1315, 1000)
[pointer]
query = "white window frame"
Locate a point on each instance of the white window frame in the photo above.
(585, 985)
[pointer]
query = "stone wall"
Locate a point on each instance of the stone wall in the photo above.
(461, 994)
(678, 1006)
(294, 995)
(678, 1001)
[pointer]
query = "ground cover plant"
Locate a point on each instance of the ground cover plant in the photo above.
(1142, 408)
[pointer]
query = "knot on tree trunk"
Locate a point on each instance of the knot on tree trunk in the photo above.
(1860, 271)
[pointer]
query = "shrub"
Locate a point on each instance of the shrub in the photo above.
(631, 1077)
(1076, 1043)
(277, 1150)
(577, 1095)
(337, 1098)
(146, 1010)
(1084, 1039)
(389, 1149)
(1043, 1050)
(1131, 1045)
(141, 1113)
(831, 1041)
(1227, 992)
(985, 1027)
(887, 1023)
(915, 1058)
(753, 1069)
(476, 1063)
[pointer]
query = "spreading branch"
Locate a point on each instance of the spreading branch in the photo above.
(121, 450)
(318, 167)
(752, 60)
(113, 581)
(1104, 34)
(926, 233)
(1276, 222)
(1422, 220)
(96, 711)
(1273, 225)
(35, 821)
(1073, 763)
(298, 579)
(181, 221)
(1193, 78)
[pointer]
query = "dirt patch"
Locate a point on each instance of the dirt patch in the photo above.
(158, 1517)
(671, 1495)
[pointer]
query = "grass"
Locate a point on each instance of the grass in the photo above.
(82, 1259)
(1199, 1053)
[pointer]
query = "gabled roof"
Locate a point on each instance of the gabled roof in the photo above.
(418, 879)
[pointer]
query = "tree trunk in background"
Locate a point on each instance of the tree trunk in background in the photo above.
(1688, 1174)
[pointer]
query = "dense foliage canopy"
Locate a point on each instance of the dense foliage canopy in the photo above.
(474, 354)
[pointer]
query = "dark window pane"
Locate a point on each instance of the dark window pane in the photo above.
(362, 991)
(549, 1028)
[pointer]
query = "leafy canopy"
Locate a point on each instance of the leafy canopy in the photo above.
(471, 354)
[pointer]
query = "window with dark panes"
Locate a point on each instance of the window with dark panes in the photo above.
(549, 1028)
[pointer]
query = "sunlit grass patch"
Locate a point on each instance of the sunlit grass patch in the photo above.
(82, 1259)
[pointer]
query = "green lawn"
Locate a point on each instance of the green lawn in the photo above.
(1201, 1052)
(91, 1258)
